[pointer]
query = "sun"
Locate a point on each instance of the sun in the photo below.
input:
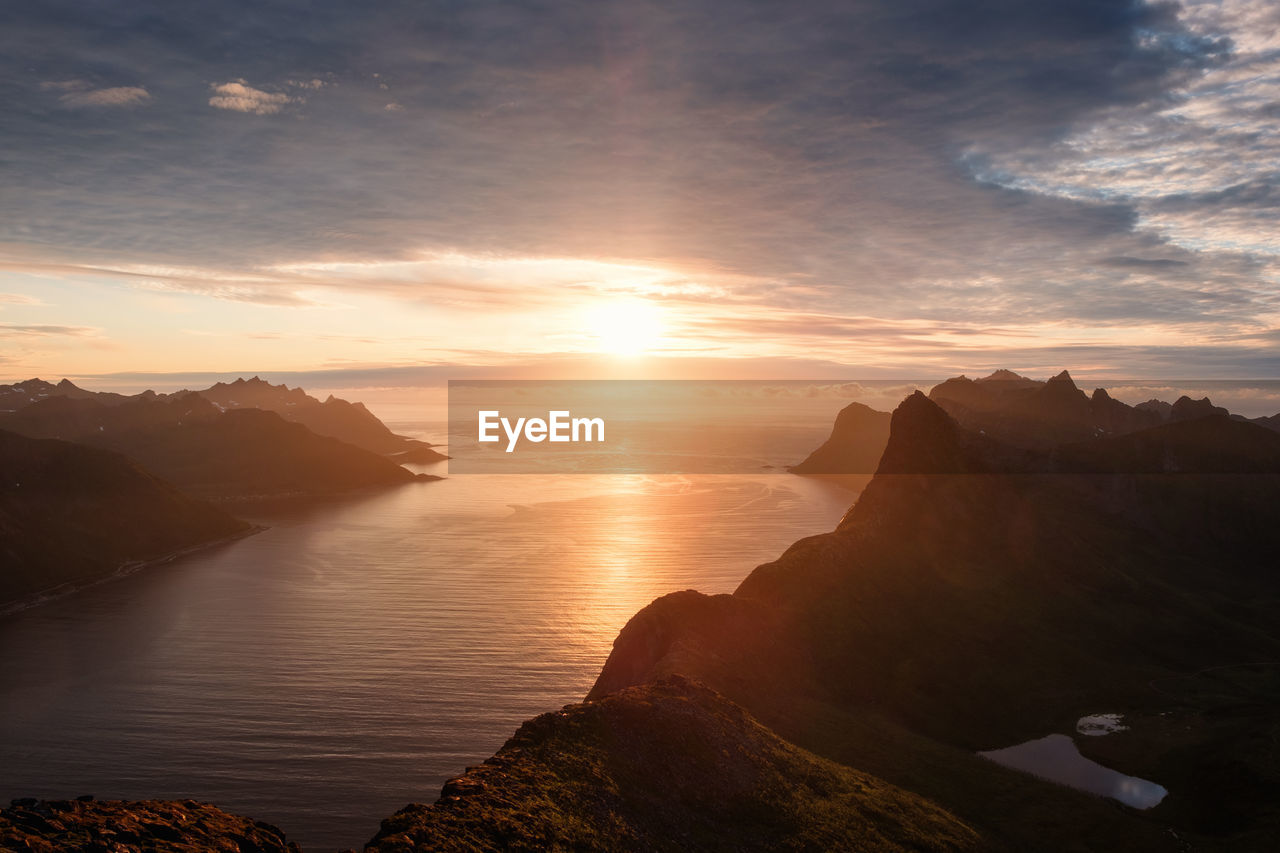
(629, 328)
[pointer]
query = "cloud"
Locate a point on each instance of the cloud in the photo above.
(18, 299)
(12, 330)
(1200, 164)
(1043, 168)
(78, 94)
(239, 96)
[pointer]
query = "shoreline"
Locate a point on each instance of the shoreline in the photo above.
(124, 570)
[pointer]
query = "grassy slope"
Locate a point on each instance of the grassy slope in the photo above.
(669, 766)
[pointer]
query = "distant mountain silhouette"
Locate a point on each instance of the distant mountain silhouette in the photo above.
(22, 394)
(857, 440)
(188, 441)
(71, 514)
(1027, 413)
(1185, 409)
(1272, 422)
(349, 422)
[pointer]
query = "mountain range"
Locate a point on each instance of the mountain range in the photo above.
(1025, 555)
(91, 483)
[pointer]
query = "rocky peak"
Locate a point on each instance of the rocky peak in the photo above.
(1185, 409)
(923, 439)
(1063, 379)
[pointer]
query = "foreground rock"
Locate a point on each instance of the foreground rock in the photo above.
(669, 766)
(182, 826)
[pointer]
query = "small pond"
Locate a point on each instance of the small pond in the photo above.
(1057, 759)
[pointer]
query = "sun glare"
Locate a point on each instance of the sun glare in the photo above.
(625, 328)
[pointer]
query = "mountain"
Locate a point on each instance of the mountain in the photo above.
(1270, 422)
(1210, 444)
(670, 766)
(854, 447)
(71, 514)
(988, 587)
(1031, 414)
(335, 418)
(157, 825)
(186, 440)
(22, 394)
(1158, 407)
(981, 593)
(349, 422)
(1185, 409)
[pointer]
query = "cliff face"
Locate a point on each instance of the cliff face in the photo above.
(670, 766)
(71, 514)
(87, 825)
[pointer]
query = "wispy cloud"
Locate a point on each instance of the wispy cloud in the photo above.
(239, 96)
(13, 330)
(79, 93)
(18, 299)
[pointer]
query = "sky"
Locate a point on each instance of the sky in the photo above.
(912, 188)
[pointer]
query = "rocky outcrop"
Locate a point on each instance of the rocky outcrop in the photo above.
(670, 766)
(92, 826)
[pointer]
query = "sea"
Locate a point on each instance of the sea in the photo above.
(359, 651)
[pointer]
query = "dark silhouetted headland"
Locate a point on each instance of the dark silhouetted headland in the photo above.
(71, 515)
(239, 453)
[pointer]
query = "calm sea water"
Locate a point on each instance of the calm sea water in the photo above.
(324, 673)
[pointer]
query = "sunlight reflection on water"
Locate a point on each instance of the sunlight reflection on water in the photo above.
(346, 661)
